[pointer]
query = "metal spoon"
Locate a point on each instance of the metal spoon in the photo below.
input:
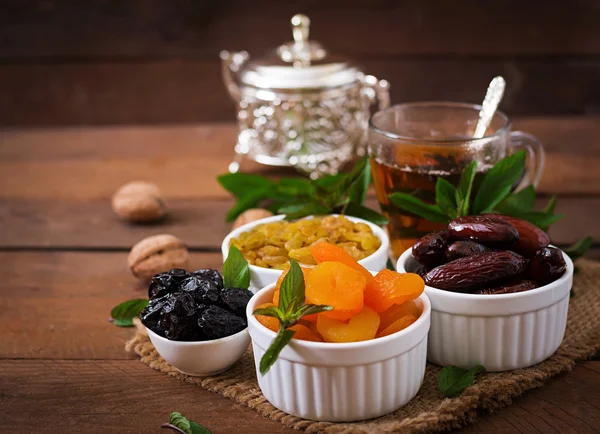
(493, 96)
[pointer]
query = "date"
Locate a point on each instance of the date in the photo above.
(464, 249)
(509, 288)
(531, 238)
(483, 229)
(547, 265)
(430, 250)
(467, 274)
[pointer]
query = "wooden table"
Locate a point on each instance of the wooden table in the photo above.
(63, 267)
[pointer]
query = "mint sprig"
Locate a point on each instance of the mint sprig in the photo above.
(122, 315)
(236, 273)
(178, 422)
(343, 193)
(453, 380)
(493, 195)
(290, 310)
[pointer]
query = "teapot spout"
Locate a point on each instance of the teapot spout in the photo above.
(231, 62)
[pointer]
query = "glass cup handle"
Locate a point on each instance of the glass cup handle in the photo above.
(535, 153)
(377, 90)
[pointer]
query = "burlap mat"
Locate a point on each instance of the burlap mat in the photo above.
(429, 410)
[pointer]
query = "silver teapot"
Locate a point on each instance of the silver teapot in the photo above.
(300, 106)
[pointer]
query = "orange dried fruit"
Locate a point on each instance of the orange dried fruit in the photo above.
(268, 321)
(397, 311)
(337, 285)
(306, 334)
(396, 326)
(325, 252)
(360, 327)
(388, 288)
(306, 272)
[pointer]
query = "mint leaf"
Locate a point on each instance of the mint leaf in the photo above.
(328, 181)
(518, 203)
(272, 311)
(252, 200)
(551, 205)
(390, 265)
(180, 421)
(291, 292)
(236, 273)
(465, 186)
(362, 212)
(243, 184)
(309, 309)
(311, 208)
(453, 380)
(418, 207)
(578, 249)
(281, 340)
(445, 197)
(294, 187)
(339, 190)
(198, 429)
(123, 314)
(540, 219)
(357, 193)
(498, 182)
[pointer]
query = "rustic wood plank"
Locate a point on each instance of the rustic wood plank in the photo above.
(55, 223)
(181, 28)
(55, 305)
(112, 396)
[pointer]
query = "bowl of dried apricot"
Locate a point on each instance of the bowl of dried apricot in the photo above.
(362, 358)
(499, 292)
(269, 243)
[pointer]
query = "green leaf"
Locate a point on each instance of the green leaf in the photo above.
(357, 193)
(518, 203)
(123, 314)
(310, 309)
(236, 273)
(290, 208)
(341, 189)
(291, 295)
(418, 207)
(551, 205)
(465, 186)
(198, 429)
(252, 200)
(445, 197)
(243, 184)
(578, 249)
(390, 265)
(328, 181)
(180, 421)
(540, 219)
(272, 311)
(362, 212)
(312, 208)
(270, 356)
(453, 380)
(498, 182)
(294, 187)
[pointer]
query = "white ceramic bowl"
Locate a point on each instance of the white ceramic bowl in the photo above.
(261, 277)
(202, 358)
(501, 332)
(342, 382)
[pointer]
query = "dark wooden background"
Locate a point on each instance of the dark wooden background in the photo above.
(156, 61)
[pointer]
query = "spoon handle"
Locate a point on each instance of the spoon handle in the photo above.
(490, 104)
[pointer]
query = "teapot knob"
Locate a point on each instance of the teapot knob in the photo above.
(300, 29)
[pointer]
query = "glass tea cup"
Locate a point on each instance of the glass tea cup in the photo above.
(413, 144)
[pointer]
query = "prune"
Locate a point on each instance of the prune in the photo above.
(464, 249)
(215, 322)
(179, 328)
(235, 300)
(203, 290)
(531, 238)
(483, 229)
(181, 304)
(509, 288)
(430, 250)
(151, 313)
(209, 274)
(547, 265)
(166, 283)
(471, 273)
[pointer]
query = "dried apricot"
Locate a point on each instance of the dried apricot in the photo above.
(268, 321)
(388, 288)
(397, 311)
(325, 252)
(306, 334)
(336, 285)
(360, 327)
(396, 326)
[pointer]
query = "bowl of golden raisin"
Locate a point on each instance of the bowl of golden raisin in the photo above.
(268, 244)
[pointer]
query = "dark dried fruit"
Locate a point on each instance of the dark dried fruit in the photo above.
(180, 328)
(531, 238)
(181, 303)
(430, 250)
(547, 265)
(216, 322)
(509, 288)
(421, 270)
(166, 283)
(151, 313)
(235, 300)
(466, 274)
(209, 274)
(464, 249)
(483, 229)
(203, 290)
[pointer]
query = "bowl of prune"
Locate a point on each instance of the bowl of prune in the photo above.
(196, 324)
(499, 292)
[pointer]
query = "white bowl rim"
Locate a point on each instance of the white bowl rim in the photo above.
(423, 318)
(378, 231)
(197, 343)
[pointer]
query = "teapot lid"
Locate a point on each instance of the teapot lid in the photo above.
(301, 64)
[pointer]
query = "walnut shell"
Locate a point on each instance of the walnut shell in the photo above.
(139, 202)
(157, 254)
(251, 215)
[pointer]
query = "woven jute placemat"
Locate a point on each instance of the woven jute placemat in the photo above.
(429, 411)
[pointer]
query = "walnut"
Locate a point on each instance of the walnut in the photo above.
(139, 202)
(251, 215)
(157, 254)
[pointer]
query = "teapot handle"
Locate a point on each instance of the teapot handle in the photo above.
(377, 90)
(231, 62)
